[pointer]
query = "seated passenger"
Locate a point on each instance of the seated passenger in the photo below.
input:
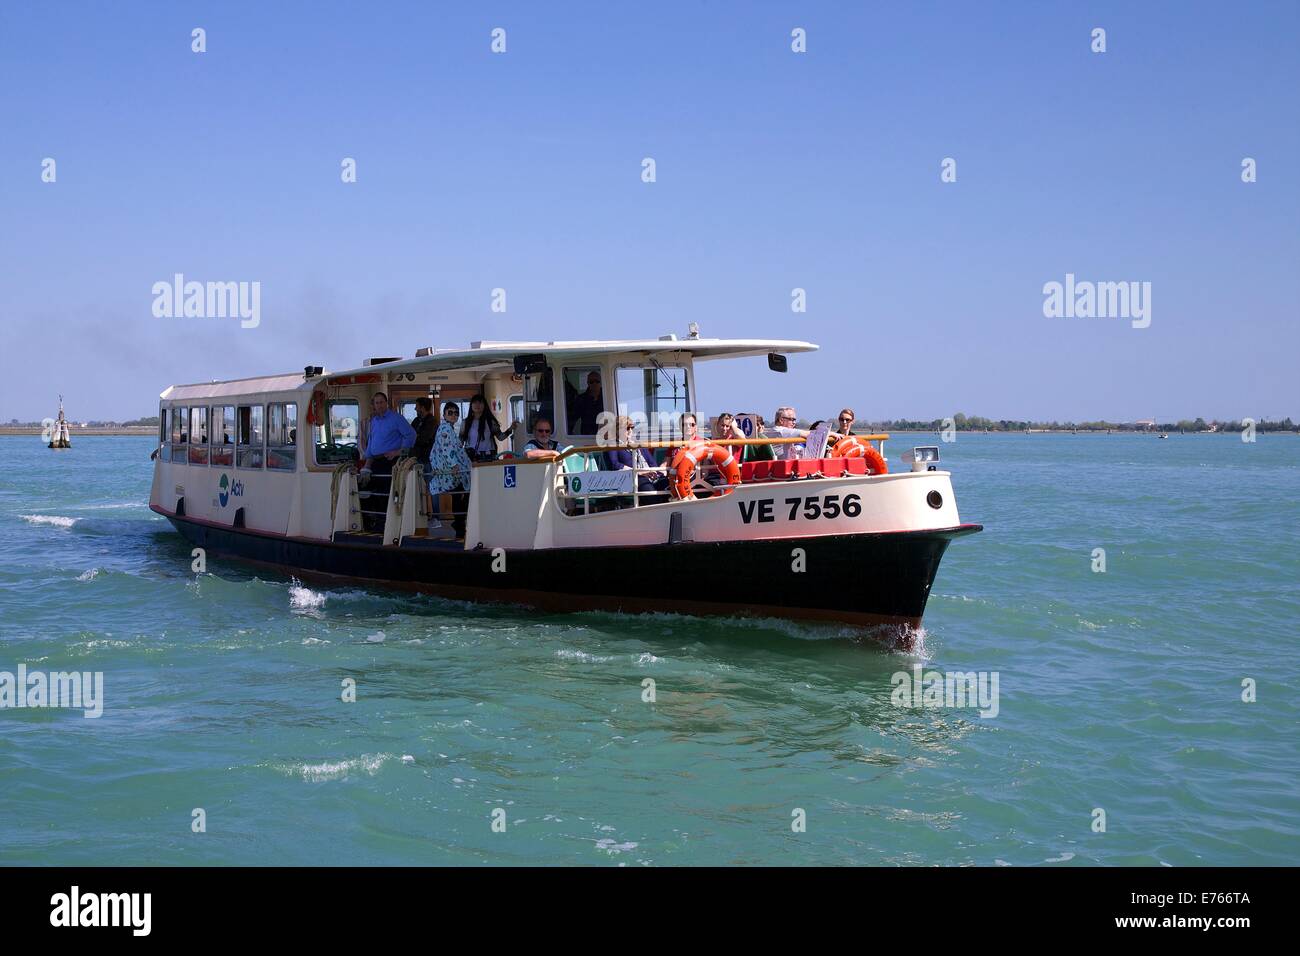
(758, 452)
(690, 430)
(541, 440)
(785, 428)
(641, 459)
(725, 429)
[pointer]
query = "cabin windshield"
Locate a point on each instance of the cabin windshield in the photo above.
(539, 398)
(657, 395)
(336, 436)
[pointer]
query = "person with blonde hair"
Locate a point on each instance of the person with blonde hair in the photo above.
(627, 455)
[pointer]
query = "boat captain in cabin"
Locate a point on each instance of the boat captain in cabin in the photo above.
(585, 407)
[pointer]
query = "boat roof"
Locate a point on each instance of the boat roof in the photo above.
(492, 354)
(235, 387)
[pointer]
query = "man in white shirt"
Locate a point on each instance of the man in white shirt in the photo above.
(783, 427)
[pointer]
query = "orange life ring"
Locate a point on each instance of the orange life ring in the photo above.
(316, 407)
(686, 459)
(854, 447)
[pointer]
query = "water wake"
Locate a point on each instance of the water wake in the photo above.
(57, 521)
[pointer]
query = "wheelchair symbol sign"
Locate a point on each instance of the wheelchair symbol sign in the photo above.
(510, 475)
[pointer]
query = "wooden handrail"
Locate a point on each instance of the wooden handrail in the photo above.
(589, 449)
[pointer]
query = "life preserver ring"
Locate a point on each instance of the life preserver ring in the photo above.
(685, 460)
(854, 447)
(316, 407)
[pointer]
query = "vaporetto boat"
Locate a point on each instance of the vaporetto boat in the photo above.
(265, 470)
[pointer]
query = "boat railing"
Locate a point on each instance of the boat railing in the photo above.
(575, 496)
(581, 498)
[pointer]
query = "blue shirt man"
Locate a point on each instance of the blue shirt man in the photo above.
(388, 433)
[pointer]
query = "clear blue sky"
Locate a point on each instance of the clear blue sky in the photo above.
(775, 170)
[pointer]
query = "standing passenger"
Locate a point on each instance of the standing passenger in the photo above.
(482, 431)
(451, 468)
(425, 424)
(387, 436)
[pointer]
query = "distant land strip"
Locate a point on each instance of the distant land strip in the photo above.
(959, 423)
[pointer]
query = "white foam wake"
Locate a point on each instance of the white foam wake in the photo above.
(304, 598)
(58, 521)
(342, 769)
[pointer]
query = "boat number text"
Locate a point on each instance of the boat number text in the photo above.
(818, 506)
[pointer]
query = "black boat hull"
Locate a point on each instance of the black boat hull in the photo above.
(860, 579)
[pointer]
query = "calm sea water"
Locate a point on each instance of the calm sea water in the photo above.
(1118, 690)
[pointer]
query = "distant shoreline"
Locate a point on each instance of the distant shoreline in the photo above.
(104, 430)
(123, 431)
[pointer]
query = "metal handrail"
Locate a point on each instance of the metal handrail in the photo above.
(561, 484)
(682, 443)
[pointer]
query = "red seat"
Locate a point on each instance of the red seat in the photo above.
(755, 471)
(854, 466)
(814, 467)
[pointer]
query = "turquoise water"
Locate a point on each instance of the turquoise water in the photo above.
(1118, 690)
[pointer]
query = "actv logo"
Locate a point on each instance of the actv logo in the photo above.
(229, 490)
(103, 909)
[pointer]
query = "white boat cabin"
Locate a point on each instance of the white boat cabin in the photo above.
(271, 454)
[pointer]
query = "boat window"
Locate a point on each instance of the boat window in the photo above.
(583, 398)
(539, 398)
(282, 436)
(223, 435)
(180, 433)
(336, 437)
(199, 435)
(162, 424)
(517, 415)
(659, 393)
(252, 437)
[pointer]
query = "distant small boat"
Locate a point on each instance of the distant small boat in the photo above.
(60, 434)
(1163, 435)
